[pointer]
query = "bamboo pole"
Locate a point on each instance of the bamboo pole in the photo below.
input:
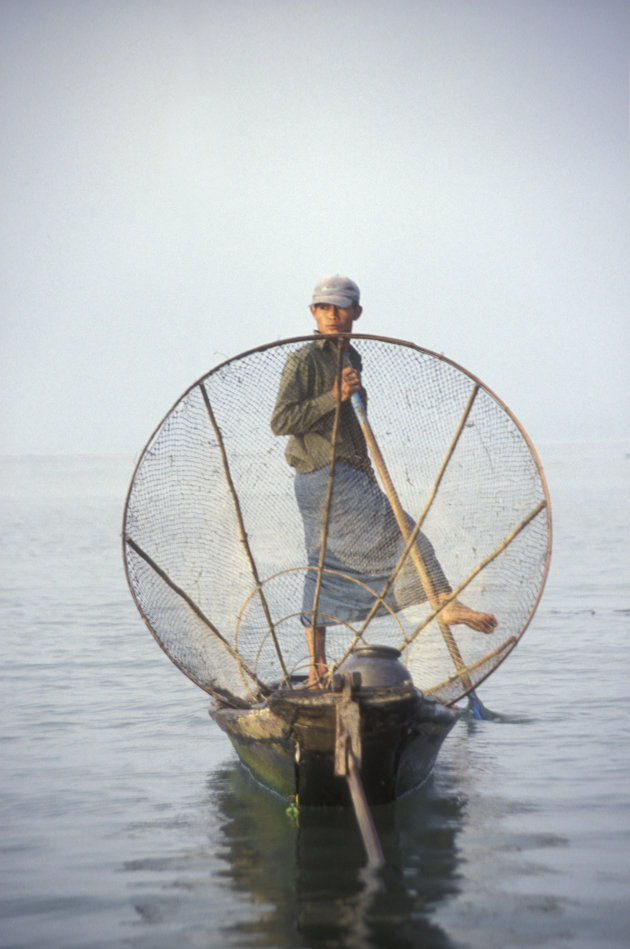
(414, 551)
(195, 609)
(414, 533)
(243, 533)
(331, 479)
(362, 811)
(505, 543)
(505, 647)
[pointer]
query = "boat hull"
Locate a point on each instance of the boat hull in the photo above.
(291, 742)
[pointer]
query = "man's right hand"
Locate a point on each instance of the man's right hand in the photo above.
(350, 383)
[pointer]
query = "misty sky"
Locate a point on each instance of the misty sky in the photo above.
(177, 174)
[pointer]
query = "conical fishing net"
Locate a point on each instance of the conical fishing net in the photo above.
(230, 551)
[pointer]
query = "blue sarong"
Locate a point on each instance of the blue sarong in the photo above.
(363, 543)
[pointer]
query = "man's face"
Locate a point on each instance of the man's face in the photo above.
(334, 319)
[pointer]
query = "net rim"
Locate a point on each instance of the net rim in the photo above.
(308, 338)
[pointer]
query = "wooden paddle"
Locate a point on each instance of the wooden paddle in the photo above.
(476, 706)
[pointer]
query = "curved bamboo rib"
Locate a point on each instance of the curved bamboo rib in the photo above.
(193, 606)
(241, 527)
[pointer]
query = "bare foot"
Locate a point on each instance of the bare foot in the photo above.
(456, 613)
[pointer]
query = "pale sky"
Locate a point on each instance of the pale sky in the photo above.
(177, 174)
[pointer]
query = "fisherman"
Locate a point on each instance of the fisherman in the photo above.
(364, 541)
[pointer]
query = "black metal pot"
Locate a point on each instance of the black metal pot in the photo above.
(378, 666)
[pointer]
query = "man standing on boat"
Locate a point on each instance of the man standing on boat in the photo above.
(364, 541)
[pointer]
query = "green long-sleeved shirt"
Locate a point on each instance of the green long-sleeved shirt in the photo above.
(305, 411)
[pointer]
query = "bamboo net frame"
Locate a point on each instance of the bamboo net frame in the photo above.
(214, 546)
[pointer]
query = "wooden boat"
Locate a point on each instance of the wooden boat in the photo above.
(297, 741)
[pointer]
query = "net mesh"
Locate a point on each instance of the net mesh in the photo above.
(214, 541)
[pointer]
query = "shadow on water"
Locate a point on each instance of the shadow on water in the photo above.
(310, 880)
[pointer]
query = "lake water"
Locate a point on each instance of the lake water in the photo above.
(127, 820)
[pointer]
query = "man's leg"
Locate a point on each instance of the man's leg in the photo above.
(316, 644)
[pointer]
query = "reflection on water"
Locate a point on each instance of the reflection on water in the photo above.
(308, 885)
(309, 881)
